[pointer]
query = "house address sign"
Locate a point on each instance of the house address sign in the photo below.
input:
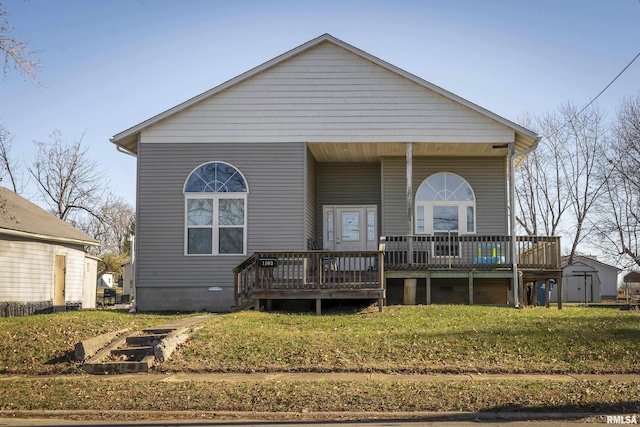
(268, 262)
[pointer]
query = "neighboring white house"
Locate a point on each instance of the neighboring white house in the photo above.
(106, 280)
(587, 280)
(44, 260)
(127, 280)
(631, 285)
(89, 293)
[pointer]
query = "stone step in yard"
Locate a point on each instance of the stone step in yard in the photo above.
(145, 340)
(125, 352)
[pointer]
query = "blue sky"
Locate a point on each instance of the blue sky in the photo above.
(110, 64)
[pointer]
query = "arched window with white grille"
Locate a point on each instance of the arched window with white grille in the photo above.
(215, 196)
(445, 203)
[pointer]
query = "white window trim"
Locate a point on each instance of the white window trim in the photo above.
(462, 216)
(215, 227)
(462, 205)
(216, 197)
(184, 186)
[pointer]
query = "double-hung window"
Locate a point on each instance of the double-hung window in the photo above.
(215, 210)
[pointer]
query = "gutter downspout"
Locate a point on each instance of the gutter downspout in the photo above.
(121, 149)
(512, 212)
(134, 266)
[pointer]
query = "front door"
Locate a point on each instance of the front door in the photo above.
(59, 283)
(350, 228)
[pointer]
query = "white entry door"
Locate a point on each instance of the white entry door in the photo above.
(350, 228)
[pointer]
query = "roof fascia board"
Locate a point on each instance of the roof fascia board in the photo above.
(47, 238)
(590, 261)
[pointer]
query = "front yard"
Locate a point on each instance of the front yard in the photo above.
(420, 339)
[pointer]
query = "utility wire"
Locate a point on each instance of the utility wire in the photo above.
(555, 132)
(610, 83)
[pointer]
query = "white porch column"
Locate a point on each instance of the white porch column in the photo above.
(410, 210)
(512, 222)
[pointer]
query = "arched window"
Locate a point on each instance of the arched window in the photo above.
(445, 203)
(215, 210)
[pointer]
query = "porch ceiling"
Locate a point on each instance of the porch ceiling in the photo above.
(368, 151)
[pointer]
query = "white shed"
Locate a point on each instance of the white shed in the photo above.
(44, 260)
(128, 280)
(587, 280)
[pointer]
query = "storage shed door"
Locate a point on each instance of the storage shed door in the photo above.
(59, 283)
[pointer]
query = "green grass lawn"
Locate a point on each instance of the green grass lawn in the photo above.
(323, 396)
(420, 339)
(44, 343)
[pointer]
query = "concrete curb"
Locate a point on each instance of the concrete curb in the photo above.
(328, 376)
(302, 416)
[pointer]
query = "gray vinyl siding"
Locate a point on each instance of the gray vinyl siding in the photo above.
(486, 175)
(347, 184)
(275, 206)
(327, 94)
(311, 213)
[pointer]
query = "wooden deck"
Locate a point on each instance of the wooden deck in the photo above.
(318, 275)
(314, 275)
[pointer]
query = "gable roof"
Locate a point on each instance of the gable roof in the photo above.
(20, 217)
(632, 277)
(587, 260)
(127, 139)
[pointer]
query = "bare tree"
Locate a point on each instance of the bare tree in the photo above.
(112, 229)
(558, 184)
(17, 54)
(112, 226)
(618, 222)
(541, 190)
(580, 144)
(69, 182)
(8, 167)
(541, 193)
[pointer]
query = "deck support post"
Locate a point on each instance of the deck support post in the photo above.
(521, 290)
(410, 291)
(547, 291)
(471, 288)
(428, 288)
(559, 292)
(318, 306)
(382, 279)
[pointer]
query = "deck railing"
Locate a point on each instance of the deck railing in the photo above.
(446, 252)
(420, 252)
(320, 273)
(539, 252)
(309, 270)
